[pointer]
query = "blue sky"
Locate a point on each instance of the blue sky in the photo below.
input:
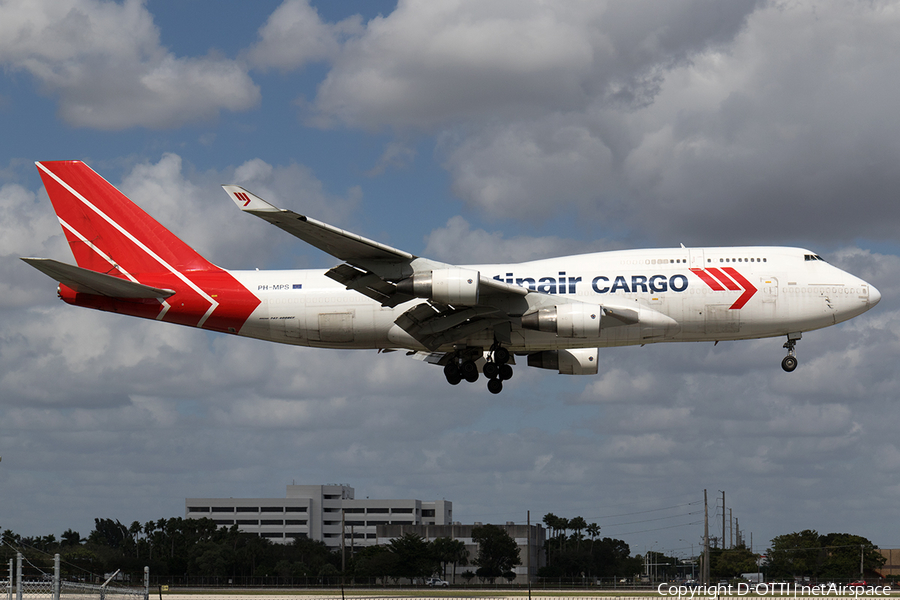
(468, 131)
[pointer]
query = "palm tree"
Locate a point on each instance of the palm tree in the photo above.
(70, 538)
(550, 520)
(578, 524)
(594, 530)
(563, 525)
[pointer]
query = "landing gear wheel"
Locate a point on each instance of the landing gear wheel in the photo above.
(506, 372)
(469, 371)
(501, 355)
(451, 372)
(495, 386)
(790, 361)
(491, 370)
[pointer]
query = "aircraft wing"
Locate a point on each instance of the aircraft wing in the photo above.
(380, 272)
(342, 244)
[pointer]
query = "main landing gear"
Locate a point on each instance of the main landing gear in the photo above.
(462, 366)
(790, 361)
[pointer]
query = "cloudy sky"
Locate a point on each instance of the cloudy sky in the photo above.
(466, 131)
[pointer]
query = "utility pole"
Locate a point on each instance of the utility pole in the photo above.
(704, 574)
(730, 529)
(723, 520)
(528, 552)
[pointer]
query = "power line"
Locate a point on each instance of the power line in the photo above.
(661, 528)
(656, 519)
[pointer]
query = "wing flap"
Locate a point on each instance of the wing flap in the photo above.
(86, 281)
(368, 284)
(435, 326)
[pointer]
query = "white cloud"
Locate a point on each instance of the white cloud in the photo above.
(683, 124)
(458, 243)
(679, 120)
(434, 62)
(105, 62)
(295, 35)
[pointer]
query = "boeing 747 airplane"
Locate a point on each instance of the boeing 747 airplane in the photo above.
(554, 313)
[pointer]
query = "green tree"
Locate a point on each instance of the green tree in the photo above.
(108, 533)
(448, 551)
(842, 556)
(70, 538)
(497, 551)
(414, 557)
(593, 530)
(375, 561)
(578, 524)
(797, 553)
(729, 564)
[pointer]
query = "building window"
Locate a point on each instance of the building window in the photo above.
(295, 509)
(198, 509)
(223, 522)
(223, 509)
(247, 522)
(428, 512)
(402, 511)
(271, 522)
(295, 522)
(270, 509)
(373, 511)
(272, 535)
(296, 535)
(354, 511)
(248, 509)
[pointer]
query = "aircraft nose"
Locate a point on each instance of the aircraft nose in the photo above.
(874, 296)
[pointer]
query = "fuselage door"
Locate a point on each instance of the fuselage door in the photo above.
(697, 261)
(768, 287)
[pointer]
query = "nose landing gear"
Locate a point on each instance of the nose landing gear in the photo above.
(790, 361)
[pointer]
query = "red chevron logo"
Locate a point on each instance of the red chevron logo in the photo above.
(727, 278)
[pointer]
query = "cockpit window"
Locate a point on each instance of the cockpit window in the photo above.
(813, 257)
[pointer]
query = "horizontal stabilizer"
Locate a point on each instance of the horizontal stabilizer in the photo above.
(85, 281)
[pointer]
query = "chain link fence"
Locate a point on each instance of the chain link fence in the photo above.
(50, 586)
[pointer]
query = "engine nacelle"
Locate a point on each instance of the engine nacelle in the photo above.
(459, 287)
(577, 320)
(576, 361)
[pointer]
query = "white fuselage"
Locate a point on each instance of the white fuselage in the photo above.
(773, 291)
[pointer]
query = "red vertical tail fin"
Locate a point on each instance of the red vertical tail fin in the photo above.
(108, 232)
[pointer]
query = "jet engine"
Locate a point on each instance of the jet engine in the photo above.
(566, 320)
(454, 286)
(576, 361)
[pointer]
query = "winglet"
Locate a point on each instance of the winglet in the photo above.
(248, 201)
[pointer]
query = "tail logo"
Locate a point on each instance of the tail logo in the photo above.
(243, 196)
(727, 278)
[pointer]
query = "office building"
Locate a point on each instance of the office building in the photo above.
(315, 512)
